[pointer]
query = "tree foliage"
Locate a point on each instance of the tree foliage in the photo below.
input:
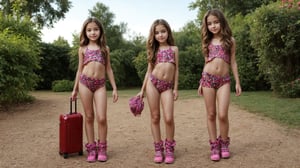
(19, 49)
(55, 60)
(18, 61)
(44, 13)
(246, 56)
(275, 35)
(230, 7)
(191, 61)
(60, 41)
(113, 32)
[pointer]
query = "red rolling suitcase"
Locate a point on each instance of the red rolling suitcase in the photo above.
(70, 132)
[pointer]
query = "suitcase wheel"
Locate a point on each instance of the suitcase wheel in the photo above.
(66, 155)
(80, 153)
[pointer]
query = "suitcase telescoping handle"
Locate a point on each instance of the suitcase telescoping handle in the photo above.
(71, 111)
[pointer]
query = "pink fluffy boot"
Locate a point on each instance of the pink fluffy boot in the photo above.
(224, 145)
(102, 156)
(91, 152)
(214, 150)
(159, 152)
(170, 151)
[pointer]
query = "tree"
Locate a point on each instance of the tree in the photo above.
(246, 56)
(230, 7)
(191, 60)
(18, 60)
(60, 41)
(113, 32)
(55, 60)
(44, 13)
(275, 35)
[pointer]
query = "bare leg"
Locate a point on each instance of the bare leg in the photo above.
(100, 99)
(210, 103)
(223, 96)
(168, 111)
(153, 98)
(86, 97)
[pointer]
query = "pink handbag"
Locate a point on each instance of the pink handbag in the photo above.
(136, 105)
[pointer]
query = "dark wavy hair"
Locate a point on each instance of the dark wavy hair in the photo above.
(153, 44)
(84, 40)
(207, 35)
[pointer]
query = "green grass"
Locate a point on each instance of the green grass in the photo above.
(285, 111)
(183, 94)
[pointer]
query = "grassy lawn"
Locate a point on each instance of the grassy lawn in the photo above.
(282, 110)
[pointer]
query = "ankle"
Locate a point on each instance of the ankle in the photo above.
(170, 148)
(102, 148)
(224, 146)
(214, 150)
(159, 149)
(91, 149)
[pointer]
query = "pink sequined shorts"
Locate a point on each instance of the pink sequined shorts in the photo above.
(91, 83)
(213, 81)
(161, 85)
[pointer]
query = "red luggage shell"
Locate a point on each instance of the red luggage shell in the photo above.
(70, 132)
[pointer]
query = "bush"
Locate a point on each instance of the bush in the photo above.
(291, 89)
(18, 61)
(54, 65)
(19, 49)
(62, 86)
(246, 56)
(275, 35)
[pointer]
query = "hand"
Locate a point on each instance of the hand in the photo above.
(238, 90)
(140, 94)
(200, 90)
(115, 96)
(74, 95)
(175, 94)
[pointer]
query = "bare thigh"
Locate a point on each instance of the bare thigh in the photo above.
(223, 97)
(100, 100)
(167, 100)
(209, 95)
(86, 97)
(153, 98)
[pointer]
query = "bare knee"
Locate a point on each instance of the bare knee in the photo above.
(102, 121)
(155, 118)
(169, 121)
(223, 118)
(211, 116)
(89, 119)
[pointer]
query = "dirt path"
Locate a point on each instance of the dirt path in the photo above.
(29, 137)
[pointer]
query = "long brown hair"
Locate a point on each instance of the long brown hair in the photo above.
(207, 36)
(101, 41)
(153, 44)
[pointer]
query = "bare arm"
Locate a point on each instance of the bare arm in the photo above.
(111, 78)
(175, 90)
(149, 70)
(79, 71)
(234, 69)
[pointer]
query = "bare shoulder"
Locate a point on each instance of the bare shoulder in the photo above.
(107, 49)
(232, 39)
(81, 49)
(174, 48)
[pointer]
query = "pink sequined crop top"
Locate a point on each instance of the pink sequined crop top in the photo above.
(93, 55)
(217, 51)
(166, 55)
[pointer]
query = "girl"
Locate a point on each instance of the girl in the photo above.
(161, 84)
(218, 48)
(93, 65)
